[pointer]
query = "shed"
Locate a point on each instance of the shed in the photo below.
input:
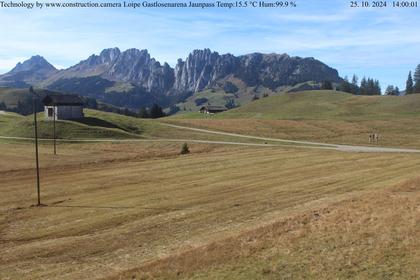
(63, 107)
(212, 109)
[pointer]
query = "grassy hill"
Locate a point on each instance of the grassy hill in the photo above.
(22, 126)
(244, 95)
(101, 125)
(315, 105)
(329, 105)
(322, 116)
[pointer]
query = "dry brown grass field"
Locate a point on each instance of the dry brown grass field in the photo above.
(320, 116)
(142, 211)
(392, 132)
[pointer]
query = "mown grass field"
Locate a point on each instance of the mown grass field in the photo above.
(321, 116)
(101, 125)
(142, 211)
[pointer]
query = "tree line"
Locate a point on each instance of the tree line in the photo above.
(413, 82)
(25, 107)
(367, 86)
(412, 85)
(153, 112)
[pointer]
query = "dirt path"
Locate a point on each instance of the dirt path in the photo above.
(290, 143)
(318, 145)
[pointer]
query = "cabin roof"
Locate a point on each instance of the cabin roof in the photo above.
(213, 108)
(63, 100)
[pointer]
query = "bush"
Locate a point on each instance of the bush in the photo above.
(230, 103)
(327, 85)
(230, 88)
(200, 101)
(185, 149)
(173, 110)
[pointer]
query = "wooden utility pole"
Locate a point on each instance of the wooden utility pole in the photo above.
(31, 90)
(55, 142)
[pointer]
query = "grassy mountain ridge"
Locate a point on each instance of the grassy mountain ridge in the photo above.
(321, 104)
(240, 96)
(101, 125)
(15, 125)
(320, 116)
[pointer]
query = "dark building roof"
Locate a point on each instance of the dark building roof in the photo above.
(213, 108)
(63, 100)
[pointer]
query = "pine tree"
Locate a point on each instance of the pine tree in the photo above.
(346, 86)
(230, 103)
(416, 88)
(390, 90)
(397, 91)
(156, 112)
(327, 85)
(377, 88)
(143, 113)
(354, 85)
(370, 86)
(363, 86)
(409, 84)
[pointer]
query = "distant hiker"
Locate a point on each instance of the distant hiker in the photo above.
(376, 137)
(370, 137)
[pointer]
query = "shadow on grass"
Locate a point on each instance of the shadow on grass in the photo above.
(92, 121)
(97, 122)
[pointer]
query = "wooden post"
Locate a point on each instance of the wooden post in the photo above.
(55, 142)
(31, 90)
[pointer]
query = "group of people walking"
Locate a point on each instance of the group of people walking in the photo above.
(373, 137)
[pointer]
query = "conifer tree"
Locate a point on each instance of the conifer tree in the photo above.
(363, 86)
(354, 84)
(156, 112)
(327, 85)
(346, 86)
(416, 88)
(409, 84)
(390, 90)
(143, 113)
(377, 88)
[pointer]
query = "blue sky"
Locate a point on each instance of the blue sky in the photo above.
(383, 43)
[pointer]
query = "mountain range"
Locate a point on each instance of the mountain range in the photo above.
(133, 78)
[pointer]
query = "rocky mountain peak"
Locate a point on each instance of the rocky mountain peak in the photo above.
(29, 72)
(35, 63)
(197, 72)
(202, 69)
(108, 55)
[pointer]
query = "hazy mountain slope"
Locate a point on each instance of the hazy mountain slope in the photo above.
(145, 81)
(32, 71)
